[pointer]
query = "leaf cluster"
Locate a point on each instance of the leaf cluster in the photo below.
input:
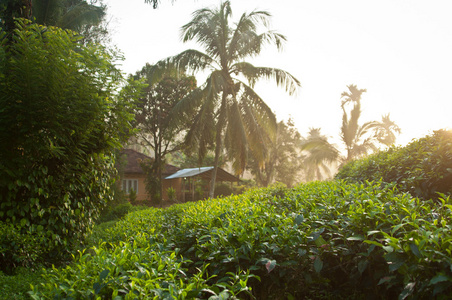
(318, 240)
(60, 120)
(422, 168)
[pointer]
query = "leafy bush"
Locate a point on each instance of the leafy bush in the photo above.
(171, 192)
(422, 168)
(60, 121)
(19, 249)
(318, 240)
(17, 286)
(114, 213)
(222, 190)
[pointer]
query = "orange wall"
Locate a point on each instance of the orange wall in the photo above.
(167, 183)
(141, 195)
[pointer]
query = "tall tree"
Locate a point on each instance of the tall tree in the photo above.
(283, 161)
(157, 129)
(228, 107)
(320, 155)
(360, 139)
(355, 137)
(386, 131)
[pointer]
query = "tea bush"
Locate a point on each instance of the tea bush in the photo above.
(116, 212)
(16, 287)
(315, 241)
(422, 168)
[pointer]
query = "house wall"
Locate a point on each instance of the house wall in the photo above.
(141, 195)
(166, 183)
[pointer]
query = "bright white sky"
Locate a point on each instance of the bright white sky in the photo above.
(399, 50)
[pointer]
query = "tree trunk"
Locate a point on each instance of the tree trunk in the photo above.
(218, 144)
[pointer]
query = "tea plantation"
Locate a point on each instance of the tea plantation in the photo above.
(320, 240)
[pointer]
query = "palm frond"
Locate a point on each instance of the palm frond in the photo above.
(191, 60)
(80, 14)
(281, 77)
(236, 138)
(263, 114)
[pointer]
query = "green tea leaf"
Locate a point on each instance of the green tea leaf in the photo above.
(415, 250)
(355, 238)
(299, 219)
(103, 275)
(439, 278)
(362, 265)
(318, 264)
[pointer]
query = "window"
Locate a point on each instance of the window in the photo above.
(130, 184)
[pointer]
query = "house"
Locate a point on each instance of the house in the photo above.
(133, 176)
(183, 181)
(187, 191)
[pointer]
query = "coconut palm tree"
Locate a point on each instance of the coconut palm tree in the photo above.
(356, 137)
(227, 107)
(320, 155)
(386, 131)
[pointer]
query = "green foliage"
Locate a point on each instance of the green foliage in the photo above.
(16, 286)
(318, 240)
(117, 212)
(283, 162)
(223, 190)
(158, 128)
(171, 192)
(132, 196)
(60, 121)
(229, 115)
(422, 168)
(19, 246)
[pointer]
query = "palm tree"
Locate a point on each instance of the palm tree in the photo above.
(283, 160)
(75, 15)
(386, 131)
(227, 107)
(355, 137)
(321, 154)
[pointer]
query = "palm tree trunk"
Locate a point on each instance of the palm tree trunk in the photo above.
(218, 144)
(215, 164)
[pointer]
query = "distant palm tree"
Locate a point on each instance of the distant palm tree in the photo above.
(321, 154)
(386, 131)
(356, 137)
(227, 107)
(67, 14)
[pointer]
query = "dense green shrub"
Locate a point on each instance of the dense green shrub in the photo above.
(60, 121)
(223, 189)
(16, 287)
(114, 213)
(316, 241)
(18, 247)
(422, 168)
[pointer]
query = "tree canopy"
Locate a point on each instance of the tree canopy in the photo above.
(158, 130)
(227, 107)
